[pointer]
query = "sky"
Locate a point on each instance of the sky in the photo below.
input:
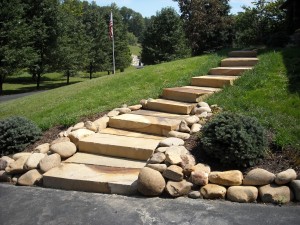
(149, 8)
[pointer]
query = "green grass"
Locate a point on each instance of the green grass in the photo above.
(270, 93)
(135, 50)
(66, 105)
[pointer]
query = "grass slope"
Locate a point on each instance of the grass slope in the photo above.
(65, 105)
(270, 93)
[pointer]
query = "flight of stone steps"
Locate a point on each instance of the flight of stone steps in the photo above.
(110, 161)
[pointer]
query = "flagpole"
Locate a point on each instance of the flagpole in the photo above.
(113, 41)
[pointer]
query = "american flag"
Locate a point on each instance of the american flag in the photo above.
(111, 26)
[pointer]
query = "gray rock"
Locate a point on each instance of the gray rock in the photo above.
(195, 194)
(157, 158)
(285, 177)
(174, 173)
(180, 135)
(196, 128)
(3, 164)
(64, 149)
(295, 185)
(49, 162)
(183, 127)
(258, 177)
(34, 160)
(171, 141)
(191, 120)
(30, 178)
(272, 193)
(213, 191)
(43, 148)
(176, 189)
(150, 182)
(159, 167)
(242, 194)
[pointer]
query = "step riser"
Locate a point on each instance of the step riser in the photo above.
(157, 106)
(211, 82)
(228, 72)
(238, 63)
(241, 54)
(185, 97)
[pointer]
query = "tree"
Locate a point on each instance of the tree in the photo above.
(14, 39)
(164, 38)
(207, 23)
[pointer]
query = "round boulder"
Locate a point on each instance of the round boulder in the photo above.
(176, 189)
(213, 191)
(242, 194)
(64, 149)
(285, 177)
(273, 193)
(30, 178)
(171, 141)
(295, 185)
(49, 162)
(258, 177)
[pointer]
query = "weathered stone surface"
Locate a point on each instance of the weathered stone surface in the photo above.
(135, 107)
(176, 189)
(272, 193)
(191, 120)
(213, 191)
(43, 148)
(77, 126)
(91, 126)
(242, 194)
(64, 149)
(143, 102)
(5, 177)
(187, 170)
(202, 115)
(227, 178)
(157, 158)
(21, 154)
(17, 166)
(159, 167)
(199, 178)
(196, 128)
(180, 135)
(258, 177)
(34, 160)
(195, 194)
(203, 104)
(181, 150)
(7, 159)
(49, 162)
(202, 167)
(183, 127)
(123, 110)
(285, 177)
(150, 182)
(60, 140)
(102, 123)
(295, 185)
(202, 109)
(75, 136)
(187, 159)
(113, 113)
(129, 133)
(30, 178)
(174, 173)
(161, 149)
(171, 142)
(3, 164)
(173, 158)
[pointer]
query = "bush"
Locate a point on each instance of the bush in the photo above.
(234, 139)
(16, 133)
(279, 39)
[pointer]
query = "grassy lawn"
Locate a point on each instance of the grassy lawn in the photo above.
(65, 105)
(270, 93)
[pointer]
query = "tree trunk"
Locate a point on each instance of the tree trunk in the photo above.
(68, 76)
(108, 72)
(91, 70)
(38, 81)
(1, 84)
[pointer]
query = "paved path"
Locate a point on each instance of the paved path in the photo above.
(30, 205)
(6, 98)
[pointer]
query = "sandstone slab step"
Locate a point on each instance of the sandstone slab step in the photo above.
(130, 133)
(216, 81)
(186, 94)
(118, 146)
(230, 71)
(205, 88)
(145, 124)
(102, 160)
(170, 106)
(242, 62)
(144, 112)
(242, 54)
(91, 178)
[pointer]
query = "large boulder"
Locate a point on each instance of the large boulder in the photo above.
(34, 160)
(174, 173)
(30, 178)
(258, 177)
(7, 159)
(202, 167)
(176, 189)
(272, 193)
(213, 191)
(199, 178)
(17, 166)
(21, 154)
(59, 140)
(171, 141)
(49, 162)
(227, 178)
(242, 194)
(64, 149)
(285, 177)
(295, 185)
(150, 182)
(43, 148)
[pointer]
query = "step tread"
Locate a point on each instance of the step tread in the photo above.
(217, 77)
(159, 114)
(102, 160)
(170, 106)
(188, 90)
(130, 133)
(212, 89)
(92, 178)
(171, 102)
(118, 146)
(240, 59)
(233, 68)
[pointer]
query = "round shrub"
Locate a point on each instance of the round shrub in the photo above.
(234, 139)
(16, 133)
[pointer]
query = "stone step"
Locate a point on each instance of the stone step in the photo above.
(230, 71)
(232, 62)
(118, 146)
(144, 112)
(216, 81)
(185, 94)
(170, 106)
(130, 133)
(144, 124)
(205, 88)
(102, 160)
(242, 54)
(92, 178)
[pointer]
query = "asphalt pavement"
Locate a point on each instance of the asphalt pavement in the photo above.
(34, 205)
(5, 98)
